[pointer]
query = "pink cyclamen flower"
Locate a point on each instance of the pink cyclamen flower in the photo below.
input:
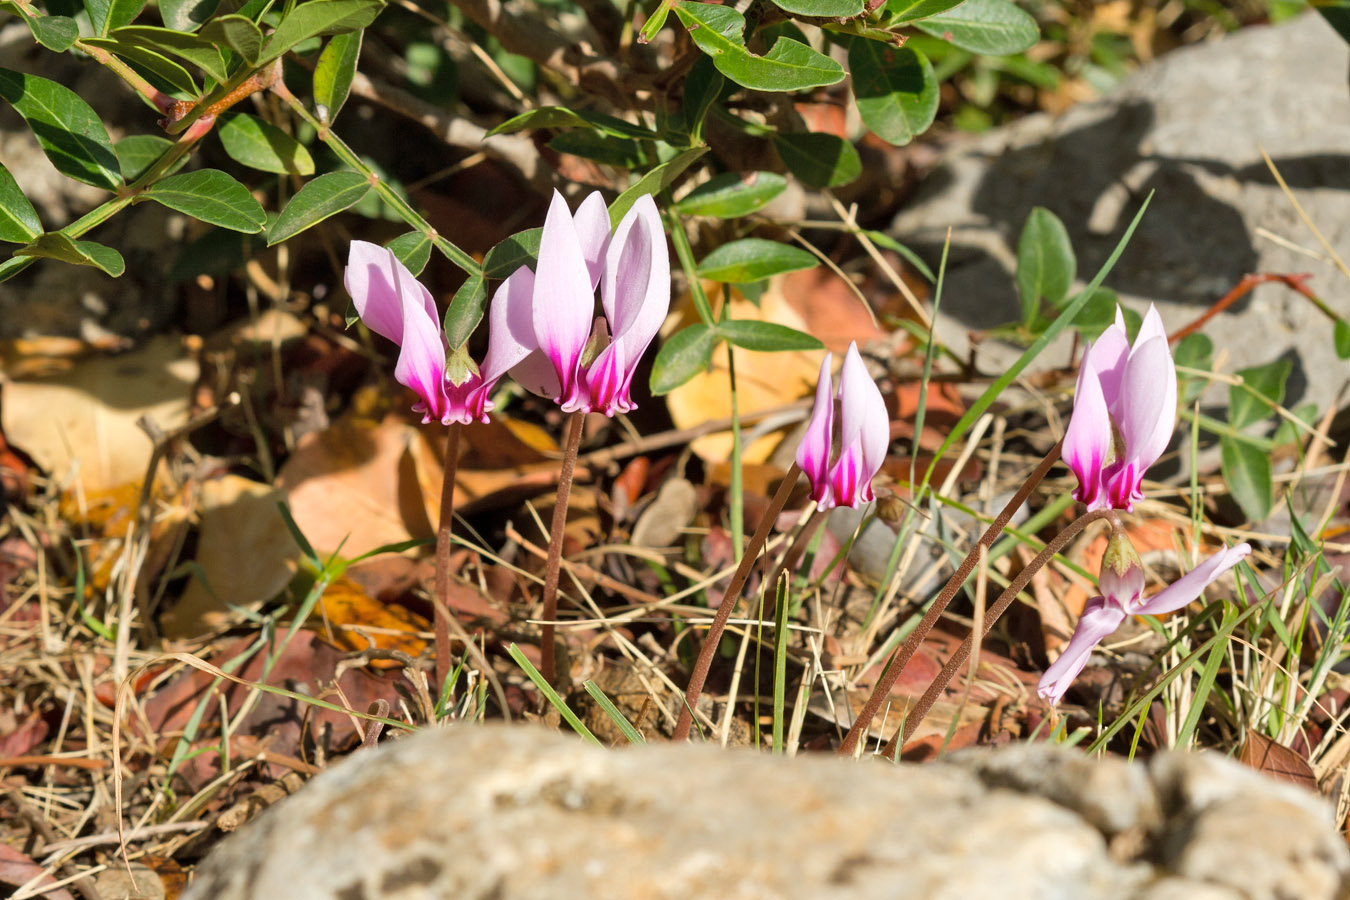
(548, 314)
(864, 433)
(1124, 411)
(1122, 586)
(395, 305)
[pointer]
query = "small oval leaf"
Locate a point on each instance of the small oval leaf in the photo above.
(818, 160)
(55, 245)
(843, 9)
(68, 129)
(1046, 265)
(334, 71)
(719, 31)
(732, 194)
(465, 310)
(213, 197)
(261, 145)
(683, 355)
(766, 337)
(320, 198)
(752, 259)
(412, 249)
(1246, 470)
(989, 27)
(19, 221)
(520, 249)
(895, 89)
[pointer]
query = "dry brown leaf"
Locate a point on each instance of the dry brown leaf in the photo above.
(350, 485)
(245, 554)
(80, 425)
(662, 523)
(1276, 760)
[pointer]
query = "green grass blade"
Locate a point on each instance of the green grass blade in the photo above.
(634, 736)
(552, 696)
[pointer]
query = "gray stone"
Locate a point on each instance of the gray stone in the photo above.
(1189, 127)
(507, 812)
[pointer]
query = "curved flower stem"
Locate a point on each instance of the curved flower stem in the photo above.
(547, 662)
(907, 650)
(916, 715)
(729, 601)
(444, 527)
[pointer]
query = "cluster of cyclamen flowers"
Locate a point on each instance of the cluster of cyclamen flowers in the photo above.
(1123, 414)
(540, 328)
(539, 322)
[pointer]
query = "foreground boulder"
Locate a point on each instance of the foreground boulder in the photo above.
(511, 812)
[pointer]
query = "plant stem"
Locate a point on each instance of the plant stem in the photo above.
(444, 526)
(906, 651)
(547, 663)
(386, 192)
(915, 716)
(152, 94)
(729, 601)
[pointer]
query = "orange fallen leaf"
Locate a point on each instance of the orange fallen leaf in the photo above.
(351, 619)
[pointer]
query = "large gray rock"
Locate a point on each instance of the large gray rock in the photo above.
(507, 812)
(1189, 126)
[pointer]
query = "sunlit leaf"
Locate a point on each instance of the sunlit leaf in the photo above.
(55, 245)
(334, 71)
(19, 222)
(751, 259)
(261, 145)
(684, 354)
(766, 337)
(320, 198)
(213, 197)
(895, 89)
(991, 27)
(818, 160)
(732, 194)
(719, 31)
(67, 128)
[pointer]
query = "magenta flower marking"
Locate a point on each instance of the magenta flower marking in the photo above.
(864, 433)
(577, 253)
(1122, 584)
(1123, 413)
(395, 305)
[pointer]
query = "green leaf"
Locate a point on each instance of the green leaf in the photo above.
(1194, 351)
(607, 706)
(201, 53)
(990, 27)
(684, 354)
(1288, 432)
(55, 245)
(412, 249)
(818, 160)
(551, 695)
(19, 222)
(213, 197)
(655, 23)
(751, 259)
(334, 71)
(624, 153)
(105, 15)
(186, 15)
(841, 9)
(1337, 15)
(320, 198)
(788, 66)
(239, 33)
(1268, 381)
(766, 337)
(655, 181)
(732, 194)
(899, 11)
(172, 73)
(562, 117)
(1246, 471)
(702, 88)
(67, 128)
(465, 310)
(319, 17)
(1045, 262)
(1097, 314)
(895, 89)
(56, 33)
(520, 249)
(1341, 338)
(138, 152)
(261, 145)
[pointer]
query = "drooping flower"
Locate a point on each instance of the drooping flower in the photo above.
(395, 305)
(864, 432)
(577, 253)
(1124, 411)
(1122, 586)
